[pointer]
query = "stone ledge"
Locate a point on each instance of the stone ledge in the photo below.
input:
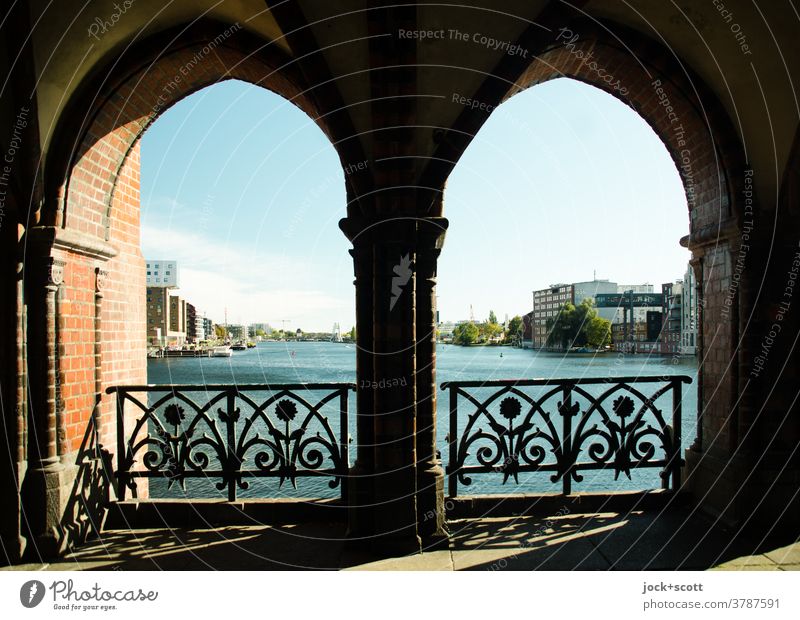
(70, 240)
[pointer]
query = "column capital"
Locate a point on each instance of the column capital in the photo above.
(420, 233)
(54, 272)
(101, 279)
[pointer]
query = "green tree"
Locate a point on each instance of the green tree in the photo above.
(490, 330)
(220, 332)
(261, 332)
(466, 333)
(514, 331)
(570, 326)
(598, 332)
(353, 333)
(492, 317)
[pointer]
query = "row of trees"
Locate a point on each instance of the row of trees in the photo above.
(578, 326)
(488, 331)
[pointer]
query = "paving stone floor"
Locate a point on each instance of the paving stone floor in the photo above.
(666, 540)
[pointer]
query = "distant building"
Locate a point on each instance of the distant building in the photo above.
(166, 323)
(177, 314)
(689, 313)
(445, 330)
(639, 314)
(590, 289)
(237, 332)
(162, 273)
(635, 340)
(255, 327)
(208, 329)
(191, 323)
(546, 304)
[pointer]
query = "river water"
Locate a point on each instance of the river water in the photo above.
(307, 362)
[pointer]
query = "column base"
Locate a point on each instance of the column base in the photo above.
(431, 509)
(14, 548)
(360, 500)
(745, 493)
(396, 544)
(45, 495)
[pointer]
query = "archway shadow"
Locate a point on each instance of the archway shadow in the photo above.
(673, 539)
(91, 494)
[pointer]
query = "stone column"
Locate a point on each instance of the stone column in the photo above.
(384, 479)
(41, 491)
(697, 267)
(394, 387)
(360, 481)
(430, 474)
(100, 281)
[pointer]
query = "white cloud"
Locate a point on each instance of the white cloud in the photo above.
(253, 285)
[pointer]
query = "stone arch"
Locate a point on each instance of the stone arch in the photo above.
(674, 103)
(85, 272)
(708, 155)
(89, 158)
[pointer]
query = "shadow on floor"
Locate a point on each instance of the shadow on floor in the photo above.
(667, 540)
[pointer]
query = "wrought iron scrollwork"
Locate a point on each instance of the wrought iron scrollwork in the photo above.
(240, 432)
(516, 429)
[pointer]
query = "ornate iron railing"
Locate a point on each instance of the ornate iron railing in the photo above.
(230, 433)
(605, 424)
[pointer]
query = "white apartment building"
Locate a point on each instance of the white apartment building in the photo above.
(162, 273)
(590, 290)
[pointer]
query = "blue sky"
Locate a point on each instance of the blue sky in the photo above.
(245, 192)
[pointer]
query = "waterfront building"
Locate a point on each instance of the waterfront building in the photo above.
(255, 327)
(208, 329)
(671, 330)
(445, 330)
(635, 340)
(590, 289)
(162, 273)
(689, 313)
(546, 304)
(191, 323)
(639, 313)
(237, 332)
(195, 331)
(166, 322)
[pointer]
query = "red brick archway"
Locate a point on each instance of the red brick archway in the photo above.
(703, 153)
(707, 152)
(93, 214)
(709, 158)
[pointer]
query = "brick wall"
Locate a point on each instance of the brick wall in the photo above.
(101, 200)
(124, 346)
